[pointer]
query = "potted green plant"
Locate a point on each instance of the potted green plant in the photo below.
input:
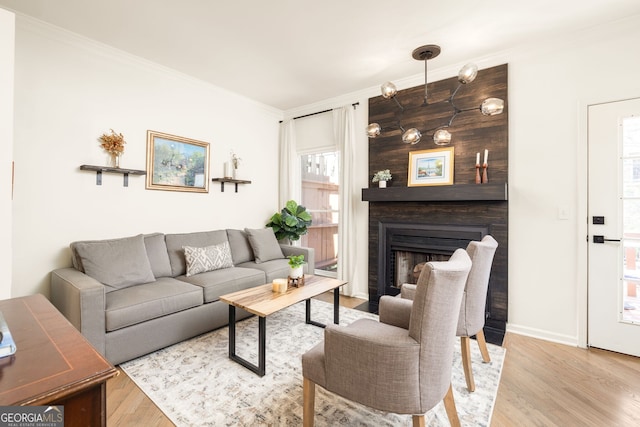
(296, 263)
(381, 177)
(291, 222)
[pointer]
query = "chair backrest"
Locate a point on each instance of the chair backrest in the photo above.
(434, 316)
(474, 299)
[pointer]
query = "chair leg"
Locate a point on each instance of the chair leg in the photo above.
(483, 346)
(450, 406)
(465, 350)
(309, 397)
(418, 421)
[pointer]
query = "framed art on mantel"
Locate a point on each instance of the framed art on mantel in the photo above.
(431, 167)
(175, 163)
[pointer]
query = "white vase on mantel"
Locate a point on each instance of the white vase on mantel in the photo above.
(382, 184)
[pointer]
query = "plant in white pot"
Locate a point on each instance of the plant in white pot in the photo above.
(296, 266)
(381, 177)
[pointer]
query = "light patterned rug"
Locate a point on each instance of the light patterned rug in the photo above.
(195, 384)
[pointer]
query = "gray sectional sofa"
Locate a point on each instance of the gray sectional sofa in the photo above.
(135, 295)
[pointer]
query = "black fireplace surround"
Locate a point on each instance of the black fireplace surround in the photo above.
(441, 218)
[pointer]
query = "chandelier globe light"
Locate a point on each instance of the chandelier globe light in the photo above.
(441, 136)
(411, 136)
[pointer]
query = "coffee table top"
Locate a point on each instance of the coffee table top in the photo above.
(262, 301)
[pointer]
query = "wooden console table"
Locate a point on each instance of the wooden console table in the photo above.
(54, 363)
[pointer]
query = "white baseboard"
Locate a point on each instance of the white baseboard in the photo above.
(543, 335)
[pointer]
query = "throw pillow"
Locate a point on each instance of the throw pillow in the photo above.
(240, 248)
(176, 243)
(264, 244)
(118, 263)
(157, 254)
(209, 258)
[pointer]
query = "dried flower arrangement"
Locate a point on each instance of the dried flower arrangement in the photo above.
(112, 143)
(384, 175)
(235, 160)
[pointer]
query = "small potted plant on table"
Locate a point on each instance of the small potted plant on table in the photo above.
(296, 266)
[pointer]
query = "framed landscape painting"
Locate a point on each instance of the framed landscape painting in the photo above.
(175, 163)
(431, 167)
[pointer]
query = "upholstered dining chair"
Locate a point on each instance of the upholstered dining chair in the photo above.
(474, 299)
(391, 368)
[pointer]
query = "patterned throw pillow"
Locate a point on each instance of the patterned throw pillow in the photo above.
(209, 258)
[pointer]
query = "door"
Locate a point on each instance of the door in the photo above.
(614, 226)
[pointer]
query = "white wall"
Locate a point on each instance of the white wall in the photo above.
(7, 43)
(68, 91)
(548, 94)
(550, 84)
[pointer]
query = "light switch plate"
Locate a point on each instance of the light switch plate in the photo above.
(563, 212)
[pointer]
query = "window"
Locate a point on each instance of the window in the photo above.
(320, 195)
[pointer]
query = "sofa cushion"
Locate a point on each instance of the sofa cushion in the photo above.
(264, 244)
(209, 258)
(175, 243)
(137, 304)
(274, 269)
(117, 263)
(220, 282)
(240, 248)
(157, 254)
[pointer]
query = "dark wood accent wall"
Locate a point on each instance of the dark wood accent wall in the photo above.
(471, 133)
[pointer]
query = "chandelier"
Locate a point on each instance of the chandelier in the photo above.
(441, 136)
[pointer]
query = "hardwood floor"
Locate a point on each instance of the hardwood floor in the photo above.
(542, 384)
(548, 384)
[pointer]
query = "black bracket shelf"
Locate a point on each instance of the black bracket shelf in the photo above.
(230, 180)
(125, 172)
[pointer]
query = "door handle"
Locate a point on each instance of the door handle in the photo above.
(601, 239)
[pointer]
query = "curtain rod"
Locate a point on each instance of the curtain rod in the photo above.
(320, 112)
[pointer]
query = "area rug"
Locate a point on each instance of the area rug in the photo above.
(195, 384)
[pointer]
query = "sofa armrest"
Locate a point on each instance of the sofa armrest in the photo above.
(309, 255)
(81, 299)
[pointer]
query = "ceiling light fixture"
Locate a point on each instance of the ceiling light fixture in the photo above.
(441, 136)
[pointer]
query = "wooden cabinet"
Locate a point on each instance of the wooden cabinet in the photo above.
(54, 363)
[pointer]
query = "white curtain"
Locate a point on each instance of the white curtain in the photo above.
(344, 132)
(289, 165)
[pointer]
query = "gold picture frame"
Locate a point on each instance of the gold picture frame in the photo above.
(175, 163)
(431, 167)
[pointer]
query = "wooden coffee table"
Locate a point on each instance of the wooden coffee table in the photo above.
(262, 301)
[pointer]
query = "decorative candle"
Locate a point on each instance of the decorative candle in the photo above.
(477, 158)
(279, 285)
(486, 155)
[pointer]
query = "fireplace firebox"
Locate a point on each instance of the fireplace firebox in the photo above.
(427, 241)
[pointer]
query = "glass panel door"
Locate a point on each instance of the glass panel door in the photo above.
(630, 219)
(320, 195)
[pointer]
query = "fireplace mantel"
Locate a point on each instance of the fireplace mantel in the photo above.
(442, 193)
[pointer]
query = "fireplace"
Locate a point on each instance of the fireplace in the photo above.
(411, 222)
(402, 245)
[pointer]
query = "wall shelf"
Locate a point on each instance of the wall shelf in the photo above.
(125, 172)
(230, 180)
(440, 193)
